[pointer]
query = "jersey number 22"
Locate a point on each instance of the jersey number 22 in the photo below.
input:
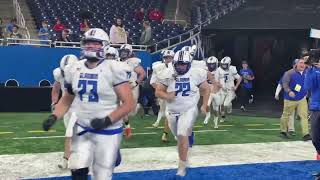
(184, 88)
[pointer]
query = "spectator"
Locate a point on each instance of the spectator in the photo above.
(118, 35)
(146, 35)
(84, 26)
(65, 36)
(139, 14)
(246, 85)
(15, 34)
(11, 25)
(58, 28)
(1, 30)
(291, 128)
(155, 15)
(295, 97)
(44, 32)
(148, 97)
(312, 83)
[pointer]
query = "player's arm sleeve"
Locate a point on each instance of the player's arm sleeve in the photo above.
(153, 78)
(235, 73)
(134, 62)
(278, 90)
(68, 79)
(121, 74)
(308, 79)
(286, 80)
(202, 77)
(56, 74)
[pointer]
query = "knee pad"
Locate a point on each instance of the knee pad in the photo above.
(80, 174)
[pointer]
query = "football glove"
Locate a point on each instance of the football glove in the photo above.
(49, 122)
(99, 124)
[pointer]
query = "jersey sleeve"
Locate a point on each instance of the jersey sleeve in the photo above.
(68, 76)
(134, 62)
(164, 77)
(153, 78)
(57, 74)
(120, 72)
(234, 72)
(200, 76)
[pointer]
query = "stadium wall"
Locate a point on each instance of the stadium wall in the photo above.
(29, 65)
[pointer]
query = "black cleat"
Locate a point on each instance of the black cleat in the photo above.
(306, 137)
(292, 133)
(284, 135)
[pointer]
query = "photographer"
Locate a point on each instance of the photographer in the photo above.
(312, 84)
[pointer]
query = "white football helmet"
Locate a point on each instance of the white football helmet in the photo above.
(182, 62)
(212, 63)
(125, 51)
(94, 35)
(112, 53)
(165, 54)
(66, 60)
(191, 49)
(225, 63)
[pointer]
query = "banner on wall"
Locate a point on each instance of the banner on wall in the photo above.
(30, 65)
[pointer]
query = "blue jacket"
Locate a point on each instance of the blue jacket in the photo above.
(294, 81)
(312, 84)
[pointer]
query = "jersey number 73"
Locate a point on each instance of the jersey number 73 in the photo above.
(91, 87)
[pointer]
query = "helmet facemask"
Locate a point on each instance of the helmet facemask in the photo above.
(212, 66)
(124, 54)
(91, 53)
(181, 67)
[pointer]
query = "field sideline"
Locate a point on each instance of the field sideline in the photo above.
(21, 133)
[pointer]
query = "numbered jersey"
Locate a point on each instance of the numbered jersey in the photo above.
(226, 77)
(133, 63)
(57, 74)
(186, 88)
(94, 89)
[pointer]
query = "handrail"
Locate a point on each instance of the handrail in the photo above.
(173, 45)
(33, 42)
(176, 21)
(20, 18)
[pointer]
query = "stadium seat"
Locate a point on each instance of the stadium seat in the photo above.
(103, 12)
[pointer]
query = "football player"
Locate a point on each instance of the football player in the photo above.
(212, 65)
(167, 57)
(94, 86)
(58, 87)
(226, 75)
(112, 53)
(137, 76)
(180, 87)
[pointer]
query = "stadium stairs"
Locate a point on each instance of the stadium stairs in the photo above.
(6, 9)
(30, 23)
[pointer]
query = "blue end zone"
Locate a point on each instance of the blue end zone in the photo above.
(298, 170)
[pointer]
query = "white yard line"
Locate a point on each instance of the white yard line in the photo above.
(45, 164)
(40, 137)
(216, 130)
(263, 129)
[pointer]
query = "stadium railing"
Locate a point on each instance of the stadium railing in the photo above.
(31, 42)
(182, 22)
(20, 19)
(173, 41)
